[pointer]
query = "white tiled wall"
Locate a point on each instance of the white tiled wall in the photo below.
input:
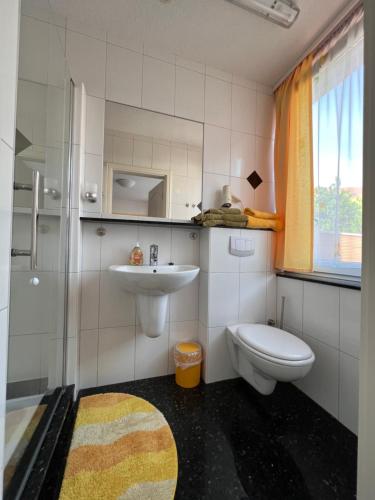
(237, 113)
(112, 346)
(9, 26)
(232, 290)
(328, 319)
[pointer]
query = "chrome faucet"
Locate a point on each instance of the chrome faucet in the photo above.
(154, 255)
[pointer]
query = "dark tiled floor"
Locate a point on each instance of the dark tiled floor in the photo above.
(235, 444)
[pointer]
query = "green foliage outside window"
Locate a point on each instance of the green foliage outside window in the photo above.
(347, 205)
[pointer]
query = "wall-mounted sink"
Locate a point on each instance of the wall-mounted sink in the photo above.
(152, 286)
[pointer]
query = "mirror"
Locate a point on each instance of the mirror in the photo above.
(152, 164)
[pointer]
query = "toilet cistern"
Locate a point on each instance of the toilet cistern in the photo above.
(154, 250)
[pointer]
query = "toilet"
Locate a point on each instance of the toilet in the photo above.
(263, 355)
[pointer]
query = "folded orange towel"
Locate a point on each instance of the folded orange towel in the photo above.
(257, 223)
(260, 215)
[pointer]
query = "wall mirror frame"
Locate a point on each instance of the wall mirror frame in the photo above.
(154, 156)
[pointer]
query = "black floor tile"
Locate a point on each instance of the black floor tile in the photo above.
(236, 444)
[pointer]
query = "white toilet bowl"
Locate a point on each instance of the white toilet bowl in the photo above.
(263, 355)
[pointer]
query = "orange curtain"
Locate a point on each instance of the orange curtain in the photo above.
(294, 170)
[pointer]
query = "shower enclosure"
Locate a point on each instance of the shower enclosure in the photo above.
(39, 256)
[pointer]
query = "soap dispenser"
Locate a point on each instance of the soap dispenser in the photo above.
(136, 256)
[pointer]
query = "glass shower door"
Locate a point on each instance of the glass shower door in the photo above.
(37, 323)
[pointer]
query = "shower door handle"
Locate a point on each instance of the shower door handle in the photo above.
(33, 252)
(34, 220)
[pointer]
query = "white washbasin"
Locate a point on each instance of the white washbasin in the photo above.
(154, 280)
(152, 286)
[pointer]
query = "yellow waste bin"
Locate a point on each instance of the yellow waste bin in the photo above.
(188, 359)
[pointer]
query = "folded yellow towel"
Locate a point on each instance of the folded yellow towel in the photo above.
(260, 215)
(257, 223)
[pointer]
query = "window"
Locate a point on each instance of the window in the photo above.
(338, 86)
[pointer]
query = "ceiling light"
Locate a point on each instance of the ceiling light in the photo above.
(125, 182)
(281, 12)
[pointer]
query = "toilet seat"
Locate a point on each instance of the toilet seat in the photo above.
(274, 344)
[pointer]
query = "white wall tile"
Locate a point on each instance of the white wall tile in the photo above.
(349, 390)
(325, 325)
(185, 249)
(242, 152)
(8, 73)
(124, 38)
(218, 73)
(243, 109)
(91, 247)
(158, 85)
(204, 250)
(95, 111)
(117, 307)
(264, 149)
(88, 359)
(161, 156)
(322, 383)
(203, 298)
(38, 304)
(116, 354)
(258, 261)
(216, 158)
(264, 197)
(124, 76)
(253, 297)
(189, 94)
(223, 299)
(184, 303)
(292, 290)
(123, 150)
(188, 64)
(218, 363)
(117, 244)
(160, 53)
(90, 283)
(271, 307)
(179, 160)
(242, 190)
(33, 47)
(244, 82)
(218, 102)
(213, 190)
(151, 354)
(25, 357)
(87, 59)
(350, 321)
(265, 115)
(92, 29)
(220, 258)
(184, 331)
(142, 153)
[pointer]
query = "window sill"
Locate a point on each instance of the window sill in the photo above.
(324, 279)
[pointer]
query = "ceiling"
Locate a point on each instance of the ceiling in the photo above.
(214, 32)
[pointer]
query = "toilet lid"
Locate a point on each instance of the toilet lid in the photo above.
(274, 342)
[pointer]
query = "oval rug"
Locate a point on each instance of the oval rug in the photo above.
(122, 448)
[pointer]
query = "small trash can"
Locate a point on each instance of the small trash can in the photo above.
(188, 359)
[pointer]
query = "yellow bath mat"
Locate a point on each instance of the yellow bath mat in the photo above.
(122, 448)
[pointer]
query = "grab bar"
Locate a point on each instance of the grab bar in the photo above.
(33, 252)
(34, 220)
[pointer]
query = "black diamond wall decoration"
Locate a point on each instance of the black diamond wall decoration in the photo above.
(254, 179)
